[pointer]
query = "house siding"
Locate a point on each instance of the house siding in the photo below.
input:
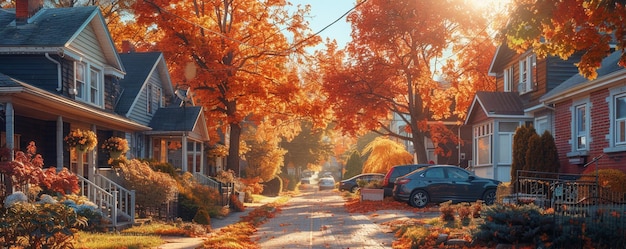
(139, 111)
(87, 42)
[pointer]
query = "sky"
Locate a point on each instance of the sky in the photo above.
(323, 13)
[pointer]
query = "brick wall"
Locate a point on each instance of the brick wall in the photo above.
(562, 134)
(599, 128)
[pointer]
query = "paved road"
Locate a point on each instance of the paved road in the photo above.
(318, 219)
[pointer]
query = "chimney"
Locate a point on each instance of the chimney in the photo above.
(25, 9)
(127, 47)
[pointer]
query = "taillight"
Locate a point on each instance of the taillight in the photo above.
(402, 181)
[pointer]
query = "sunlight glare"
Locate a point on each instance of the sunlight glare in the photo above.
(487, 5)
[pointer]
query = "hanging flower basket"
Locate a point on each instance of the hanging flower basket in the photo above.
(116, 146)
(82, 140)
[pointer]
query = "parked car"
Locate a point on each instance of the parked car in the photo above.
(326, 183)
(352, 183)
(395, 172)
(440, 183)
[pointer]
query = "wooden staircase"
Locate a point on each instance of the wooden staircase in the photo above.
(116, 202)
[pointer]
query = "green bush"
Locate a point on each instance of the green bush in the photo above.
(516, 225)
(41, 225)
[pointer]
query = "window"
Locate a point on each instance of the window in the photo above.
(154, 98)
(617, 120)
(580, 127)
(620, 119)
(79, 80)
(95, 85)
(508, 79)
(88, 83)
(527, 67)
(482, 143)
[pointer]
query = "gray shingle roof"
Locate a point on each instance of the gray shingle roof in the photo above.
(175, 118)
(6, 81)
(501, 103)
(138, 67)
(43, 29)
(608, 66)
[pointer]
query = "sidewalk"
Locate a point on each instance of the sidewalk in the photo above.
(216, 225)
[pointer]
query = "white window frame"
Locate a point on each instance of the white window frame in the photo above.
(483, 133)
(95, 86)
(509, 75)
(89, 87)
(580, 125)
(527, 68)
(80, 80)
(617, 125)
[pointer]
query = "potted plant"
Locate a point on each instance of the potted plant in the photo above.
(82, 140)
(116, 146)
(372, 191)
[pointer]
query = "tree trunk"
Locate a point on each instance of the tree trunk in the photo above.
(232, 161)
(419, 147)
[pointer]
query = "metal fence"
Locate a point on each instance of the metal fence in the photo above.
(572, 198)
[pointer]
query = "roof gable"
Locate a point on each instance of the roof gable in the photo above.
(139, 68)
(53, 30)
(496, 104)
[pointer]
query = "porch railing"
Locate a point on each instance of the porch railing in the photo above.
(225, 189)
(126, 198)
(103, 199)
(114, 200)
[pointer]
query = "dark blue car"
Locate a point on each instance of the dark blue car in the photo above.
(441, 183)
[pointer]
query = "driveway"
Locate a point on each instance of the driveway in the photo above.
(318, 219)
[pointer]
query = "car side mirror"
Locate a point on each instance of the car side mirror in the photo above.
(471, 178)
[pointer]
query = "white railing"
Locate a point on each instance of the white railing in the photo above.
(207, 181)
(125, 203)
(103, 199)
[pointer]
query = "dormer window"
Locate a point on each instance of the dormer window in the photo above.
(527, 69)
(88, 83)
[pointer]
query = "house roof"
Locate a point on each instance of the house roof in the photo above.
(6, 81)
(175, 118)
(497, 104)
(139, 67)
(502, 56)
(577, 82)
(52, 30)
(49, 27)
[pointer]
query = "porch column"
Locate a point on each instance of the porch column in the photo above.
(91, 158)
(202, 155)
(10, 125)
(59, 143)
(184, 159)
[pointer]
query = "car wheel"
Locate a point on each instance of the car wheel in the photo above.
(419, 198)
(354, 189)
(489, 197)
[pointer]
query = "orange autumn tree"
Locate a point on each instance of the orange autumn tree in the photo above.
(562, 28)
(386, 73)
(235, 55)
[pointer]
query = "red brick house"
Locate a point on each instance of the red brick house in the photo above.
(590, 118)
